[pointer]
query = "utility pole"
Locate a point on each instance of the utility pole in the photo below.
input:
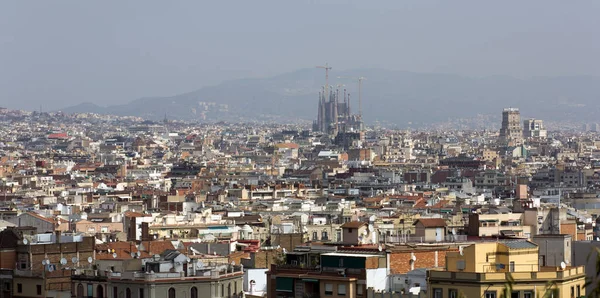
(327, 68)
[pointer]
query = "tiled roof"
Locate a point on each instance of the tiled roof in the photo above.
(353, 225)
(431, 222)
(519, 244)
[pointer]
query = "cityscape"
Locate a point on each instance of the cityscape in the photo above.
(335, 149)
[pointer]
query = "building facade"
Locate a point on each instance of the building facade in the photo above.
(511, 132)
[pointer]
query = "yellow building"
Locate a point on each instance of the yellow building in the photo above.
(485, 269)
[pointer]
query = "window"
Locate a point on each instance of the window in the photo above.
(339, 236)
(437, 293)
(38, 289)
(578, 291)
(511, 266)
(90, 290)
(349, 230)
(328, 289)
(315, 234)
(341, 263)
(572, 292)
(324, 236)
(359, 290)
(341, 290)
(104, 229)
(452, 293)
(128, 293)
(141, 293)
(7, 286)
(171, 293)
(23, 265)
(79, 290)
(115, 292)
(528, 294)
(194, 292)
(19, 288)
(490, 294)
(222, 290)
(515, 294)
(100, 291)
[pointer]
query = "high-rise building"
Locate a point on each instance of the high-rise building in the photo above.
(511, 132)
(334, 116)
(534, 128)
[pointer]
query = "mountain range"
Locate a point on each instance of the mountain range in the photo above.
(396, 97)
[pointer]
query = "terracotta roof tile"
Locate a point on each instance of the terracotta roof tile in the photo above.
(353, 225)
(431, 222)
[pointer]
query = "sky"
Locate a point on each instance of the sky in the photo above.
(61, 53)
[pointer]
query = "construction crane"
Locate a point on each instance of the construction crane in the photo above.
(360, 79)
(327, 68)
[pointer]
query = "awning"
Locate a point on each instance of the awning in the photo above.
(284, 284)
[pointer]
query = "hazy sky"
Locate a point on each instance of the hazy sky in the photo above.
(61, 53)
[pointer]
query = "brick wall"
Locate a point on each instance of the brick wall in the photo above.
(569, 228)
(400, 261)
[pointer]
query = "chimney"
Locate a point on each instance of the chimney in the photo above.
(57, 236)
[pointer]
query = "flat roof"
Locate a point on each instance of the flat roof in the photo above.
(337, 254)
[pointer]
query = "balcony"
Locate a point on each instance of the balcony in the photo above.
(544, 274)
(207, 274)
(316, 271)
(415, 239)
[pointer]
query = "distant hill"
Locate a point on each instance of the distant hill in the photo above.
(392, 96)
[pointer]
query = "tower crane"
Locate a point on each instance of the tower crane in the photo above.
(327, 68)
(360, 79)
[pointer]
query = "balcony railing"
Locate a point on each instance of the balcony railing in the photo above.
(415, 239)
(545, 273)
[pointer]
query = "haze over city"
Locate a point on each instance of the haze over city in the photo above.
(62, 53)
(299, 149)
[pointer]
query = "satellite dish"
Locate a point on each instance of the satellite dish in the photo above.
(563, 265)
(138, 254)
(284, 251)
(74, 260)
(90, 260)
(232, 263)
(413, 258)
(156, 257)
(50, 268)
(380, 248)
(133, 255)
(460, 251)
(44, 262)
(63, 261)
(114, 255)
(25, 241)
